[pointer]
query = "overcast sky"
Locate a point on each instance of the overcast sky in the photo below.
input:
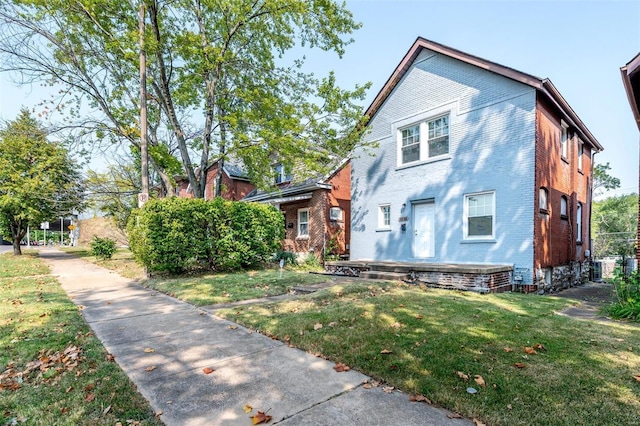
(579, 45)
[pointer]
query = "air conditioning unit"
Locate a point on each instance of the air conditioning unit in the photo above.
(335, 213)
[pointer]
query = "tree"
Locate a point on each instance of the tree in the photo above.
(38, 179)
(602, 179)
(230, 63)
(615, 221)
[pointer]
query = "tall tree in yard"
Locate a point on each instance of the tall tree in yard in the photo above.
(223, 77)
(38, 179)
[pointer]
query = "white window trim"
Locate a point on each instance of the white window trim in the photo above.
(543, 193)
(564, 140)
(466, 217)
(381, 224)
(579, 223)
(423, 135)
(580, 154)
(299, 235)
(564, 201)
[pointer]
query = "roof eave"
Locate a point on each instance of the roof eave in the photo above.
(629, 72)
(288, 191)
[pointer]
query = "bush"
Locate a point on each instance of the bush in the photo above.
(102, 248)
(627, 305)
(289, 257)
(176, 234)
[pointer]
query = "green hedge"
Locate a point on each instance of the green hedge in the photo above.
(175, 234)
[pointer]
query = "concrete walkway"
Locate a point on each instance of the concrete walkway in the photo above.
(143, 329)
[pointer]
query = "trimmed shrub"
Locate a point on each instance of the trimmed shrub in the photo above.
(102, 248)
(176, 234)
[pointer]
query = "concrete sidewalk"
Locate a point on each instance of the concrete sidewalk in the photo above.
(250, 369)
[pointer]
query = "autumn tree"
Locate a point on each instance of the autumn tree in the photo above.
(38, 179)
(226, 79)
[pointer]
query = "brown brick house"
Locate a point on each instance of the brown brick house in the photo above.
(235, 183)
(631, 81)
(316, 211)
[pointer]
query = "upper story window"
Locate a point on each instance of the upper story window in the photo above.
(425, 140)
(564, 140)
(281, 174)
(543, 200)
(303, 223)
(479, 215)
(384, 216)
(580, 153)
(563, 208)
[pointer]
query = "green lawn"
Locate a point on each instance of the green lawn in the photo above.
(52, 368)
(426, 341)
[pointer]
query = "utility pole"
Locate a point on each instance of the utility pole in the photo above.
(143, 197)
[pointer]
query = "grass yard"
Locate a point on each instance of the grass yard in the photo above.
(122, 261)
(212, 289)
(528, 365)
(53, 370)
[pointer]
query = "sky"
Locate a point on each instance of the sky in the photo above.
(579, 45)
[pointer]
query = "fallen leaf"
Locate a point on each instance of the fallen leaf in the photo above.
(149, 350)
(90, 397)
(509, 406)
(419, 316)
(540, 347)
(454, 416)
(508, 349)
(248, 408)
(150, 368)
(69, 389)
(333, 324)
(106, 410)
(318, 326)
(387, 389)
(208, 370)
(530, 351)
(260, 418)
(396, 325)
(419, 398)
(637, 377)
(519, 365)
(462, 375)
(478, 422)
(159, 413)
(386, 352)
(367, 386)
(111, 358)
(479, 380)
(340, 367)
(233, 327)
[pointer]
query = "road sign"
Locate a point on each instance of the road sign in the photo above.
(71, 227)
(142, 198)
(44, 225)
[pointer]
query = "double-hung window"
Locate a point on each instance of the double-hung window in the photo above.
(281, 174)
(384, 216)
(303, 223)
(580, 154)
(425, 140)
(564, 142)
(479, 215)
(579, 223)
(410, 144)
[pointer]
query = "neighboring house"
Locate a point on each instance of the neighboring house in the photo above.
(316, 211)
(235, 183)
(477, 164)
(631, 80)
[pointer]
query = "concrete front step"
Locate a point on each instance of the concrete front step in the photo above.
(383, 275)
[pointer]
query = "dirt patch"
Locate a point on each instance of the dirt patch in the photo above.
(102, 227)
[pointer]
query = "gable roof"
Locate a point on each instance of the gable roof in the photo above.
(542, 86)
(631, 80)
(292, 189)
(232, 168)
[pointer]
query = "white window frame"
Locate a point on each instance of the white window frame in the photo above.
(580, 154)
(425, 138)
(564, 141)
(579, 223)
(335, 213)
(467, 197)
(543, 199)
(384, 216)
(281, 175)
(301, 222)
(564, 205)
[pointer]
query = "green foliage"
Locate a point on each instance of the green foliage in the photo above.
(102, 248)
(602, 179)
(176, 234)
(38, 178)
(290, 258)
(615, 222)
(627, 305)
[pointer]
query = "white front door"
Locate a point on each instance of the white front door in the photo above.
(423, 230)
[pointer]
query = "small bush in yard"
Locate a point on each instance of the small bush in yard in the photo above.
(102, 248)
(627, 305)
(290, 258)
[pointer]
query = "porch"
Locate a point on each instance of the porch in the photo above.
(481, 278)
